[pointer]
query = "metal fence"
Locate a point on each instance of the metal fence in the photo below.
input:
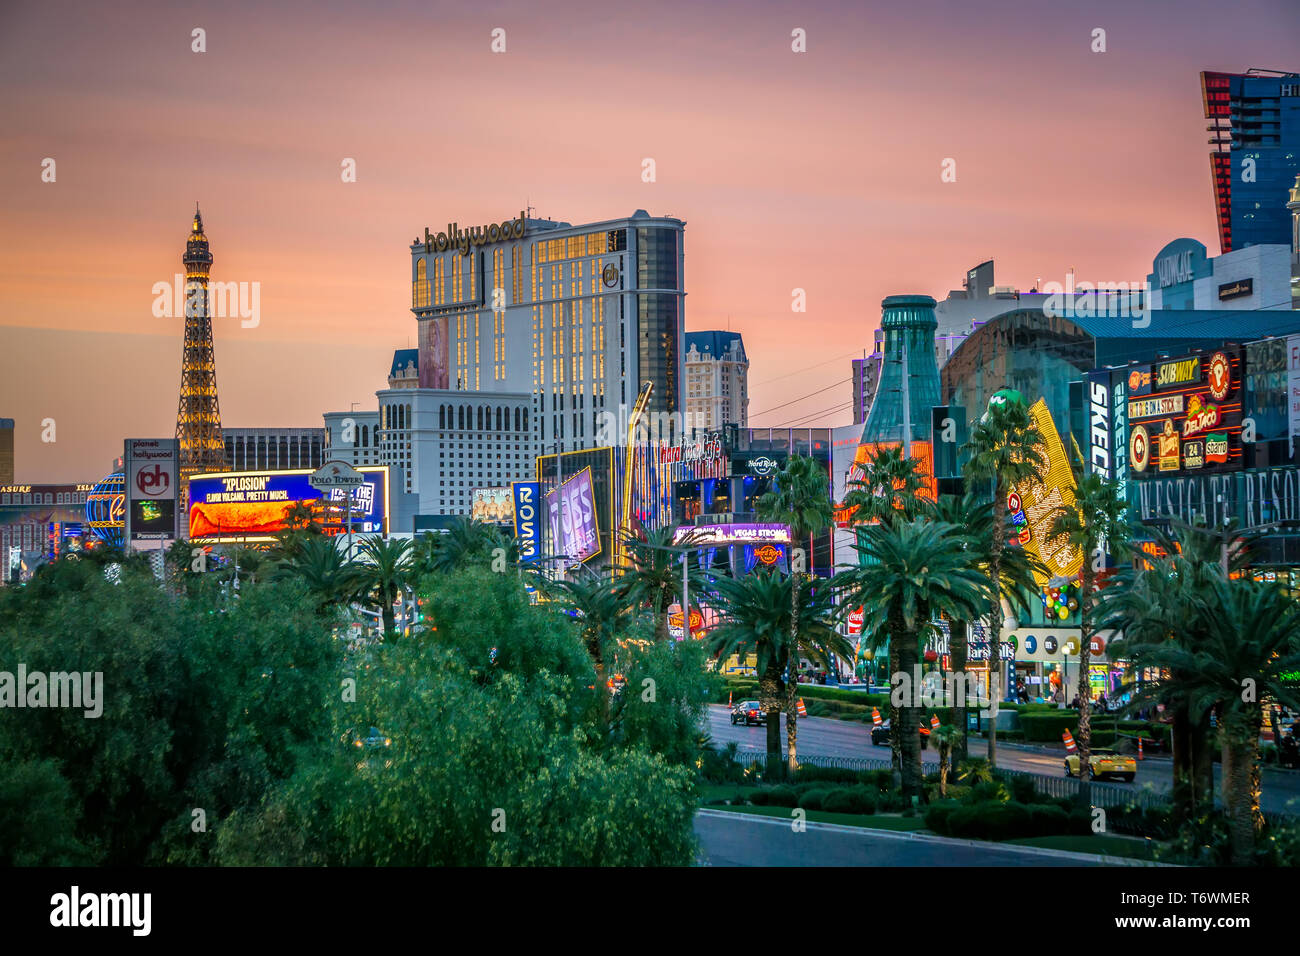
(1103, 794)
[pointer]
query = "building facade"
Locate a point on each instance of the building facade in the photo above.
(6, 451)
(262, 449)
(577, 317)
(352, 437)
(717, 381)
(1254, 153)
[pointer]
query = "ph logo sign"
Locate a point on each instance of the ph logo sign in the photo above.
(153, 481)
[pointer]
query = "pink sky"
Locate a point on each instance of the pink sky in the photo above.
(819, 171)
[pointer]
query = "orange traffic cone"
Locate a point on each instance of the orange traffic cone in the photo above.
(729, 693)
(875, 717)
(1140, 757)
(803, 711)
(934, 721)
(1069, 741)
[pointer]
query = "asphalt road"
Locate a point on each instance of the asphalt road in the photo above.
(734, 839)
(825, 736)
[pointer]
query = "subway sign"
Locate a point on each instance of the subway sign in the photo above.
(1189, 422)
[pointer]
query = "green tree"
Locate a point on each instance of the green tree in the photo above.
(1250, 641)
(383, 572)
(914, 571)
(1153, 601)
(600, 610)
(801, 500)
(1005, 448)
(324, 571)
(1097, 522)
(973, 519)
(778, 619)
(890, 489)
(653, 574)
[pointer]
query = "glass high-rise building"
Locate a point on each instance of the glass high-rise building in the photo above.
(576, 316)
(1254, 153)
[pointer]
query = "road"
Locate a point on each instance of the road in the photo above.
(825, 736)
(734, 839)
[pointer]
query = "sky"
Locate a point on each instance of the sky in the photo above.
(818, 171)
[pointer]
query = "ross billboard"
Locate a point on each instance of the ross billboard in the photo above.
(251, 506)
(493, 505)
(1188, 421)
(152, 488)
(572, 518)
(528, 527)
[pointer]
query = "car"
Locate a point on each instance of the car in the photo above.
(747, 712)
(880, 736)
(1104, 763)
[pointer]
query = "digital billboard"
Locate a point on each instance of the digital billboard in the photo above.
(152, 488)
(528, 528)
(1034, 503)
(252, 505)
(1186, 416)
(493, 505)
(572, 518)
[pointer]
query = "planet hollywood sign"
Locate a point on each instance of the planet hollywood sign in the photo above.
(463, 240)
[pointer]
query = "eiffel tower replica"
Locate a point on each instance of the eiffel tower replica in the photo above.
(198, 416)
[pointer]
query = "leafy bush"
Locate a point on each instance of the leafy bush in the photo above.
(812, 799)
(779, 796)
(850, 800)
(938, 814)
(1022, 789)
(989, 791)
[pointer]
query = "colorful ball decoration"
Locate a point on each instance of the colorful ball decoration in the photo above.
(106, 509)
(1062, 613)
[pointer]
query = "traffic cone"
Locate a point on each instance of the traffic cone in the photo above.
(875, 717)
(729, 693)
(1069, 741)
(1140, 757)
(803, 711)
(934, 721)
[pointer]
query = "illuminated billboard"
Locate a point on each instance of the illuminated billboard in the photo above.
(1188, 419)
(572, 518)
(251, 506)
(152, 488)
(1034, 503)
(528, 529)
(493, 505)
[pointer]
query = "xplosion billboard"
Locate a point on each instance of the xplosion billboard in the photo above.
(252, 506)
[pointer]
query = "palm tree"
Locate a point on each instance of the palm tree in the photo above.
(599, 606)
(1154, 601)
(756, 612)
(913, 571)
(801, 500)
(318, 563)
(1251, 642)
(383, 572)
(974, 520)
(889, 489)
(653, 575)
(1098, 521)
(466, 541)
(1004, 447)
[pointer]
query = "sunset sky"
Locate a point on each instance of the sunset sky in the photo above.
(818, 171)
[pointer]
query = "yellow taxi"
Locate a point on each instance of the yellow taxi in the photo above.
(1104, 763)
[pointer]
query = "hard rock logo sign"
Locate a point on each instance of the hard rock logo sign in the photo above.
(767, 554)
